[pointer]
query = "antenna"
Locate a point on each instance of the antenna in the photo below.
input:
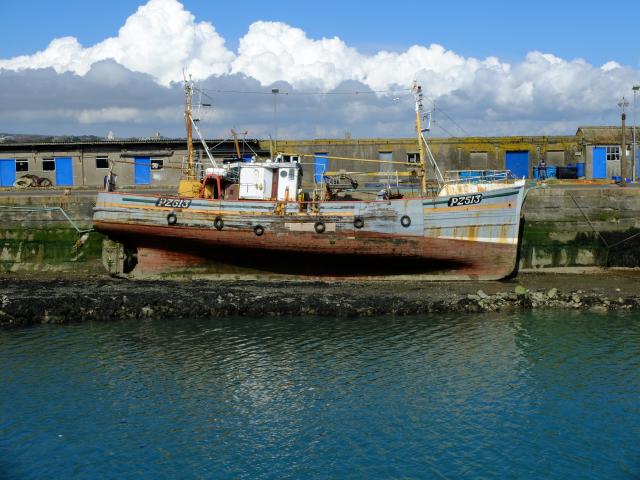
(427, 120)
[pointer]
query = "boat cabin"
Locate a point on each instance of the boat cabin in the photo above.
(253, 181)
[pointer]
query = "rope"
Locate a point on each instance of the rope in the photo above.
(588, 221)
(345, 158)
(625, 240)
(608, 247)
(48, 209)
(144, 164)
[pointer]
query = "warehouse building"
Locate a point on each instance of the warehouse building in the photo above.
(137, 163)
(518, 154)
(603, 151)
(593, 153)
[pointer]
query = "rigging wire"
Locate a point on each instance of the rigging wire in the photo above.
(438, 109)
(292, 93)
(462, 129)
(438, 125)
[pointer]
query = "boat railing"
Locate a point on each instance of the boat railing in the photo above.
(478, 176)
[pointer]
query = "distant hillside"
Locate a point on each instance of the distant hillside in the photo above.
(30, 138)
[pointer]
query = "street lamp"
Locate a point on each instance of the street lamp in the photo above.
(623, 103)
(635, 89)
(623, 158)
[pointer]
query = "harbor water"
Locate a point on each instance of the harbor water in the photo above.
(526, 395)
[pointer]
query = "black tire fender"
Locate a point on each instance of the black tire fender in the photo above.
(358, 222)
(258, 230)
(319, 227)
(218, 223)
(405, 221)
(172, 218)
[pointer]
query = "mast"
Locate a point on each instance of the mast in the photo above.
(425, 151)
(235, 142)
(188, 90)
(417, 91)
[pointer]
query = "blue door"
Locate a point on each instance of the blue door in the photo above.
(599, 162)
(7, 172)
(321, 166)
(64, 171)
(142, 170)
(518, 163)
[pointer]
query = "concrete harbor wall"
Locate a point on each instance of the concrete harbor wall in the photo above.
(571, 226)
(564, 226)
(46, 233)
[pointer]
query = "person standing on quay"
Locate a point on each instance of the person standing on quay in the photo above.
(542, 169)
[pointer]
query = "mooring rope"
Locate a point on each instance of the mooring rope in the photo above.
(48, 209)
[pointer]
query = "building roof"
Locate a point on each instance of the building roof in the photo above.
(219, 146)
(120, 141)
(604, 135)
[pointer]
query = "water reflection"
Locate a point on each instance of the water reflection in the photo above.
(445, 396)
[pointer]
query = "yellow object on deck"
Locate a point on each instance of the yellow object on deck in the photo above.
(189, 188)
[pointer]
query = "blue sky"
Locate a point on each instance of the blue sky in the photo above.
(488, 67)
(595, 31)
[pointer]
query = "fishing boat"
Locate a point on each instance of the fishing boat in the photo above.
(255, 218)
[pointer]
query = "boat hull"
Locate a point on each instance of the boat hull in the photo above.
(358, 239)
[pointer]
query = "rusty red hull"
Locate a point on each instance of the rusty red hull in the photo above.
(166, 249)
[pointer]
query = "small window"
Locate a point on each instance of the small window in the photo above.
(413, 157)
(555, 157)
(48, 164)
(478, 160)
(22, 165)
(385, 161)
(613, 153)
(157, 164)
(291, 158)
(102, 162)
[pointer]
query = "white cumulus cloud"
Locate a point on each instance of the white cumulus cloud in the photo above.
(273, 51)
(161, 39)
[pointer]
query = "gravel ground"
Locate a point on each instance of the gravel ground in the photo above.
(29, 299)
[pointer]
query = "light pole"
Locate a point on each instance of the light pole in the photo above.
(635, 89)
(624, 167)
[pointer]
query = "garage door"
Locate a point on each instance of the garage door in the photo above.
(64, 171)
(142, 170)
(518, 163)
(599, 162)
(321, 164)
(7, 172)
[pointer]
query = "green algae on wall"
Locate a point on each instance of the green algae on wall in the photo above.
(550, 244)
(546, 244)
(49, 249)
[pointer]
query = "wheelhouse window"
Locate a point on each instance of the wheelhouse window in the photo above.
(291, 158)
(413, 157)
(613, 153)
(22, 165)
(157, 164)
(48, 164)
(102, 162)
